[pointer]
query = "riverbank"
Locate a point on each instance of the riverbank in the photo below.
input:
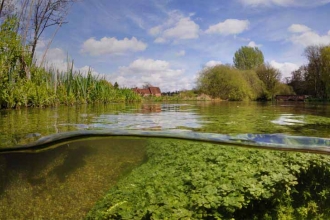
(50, 88)
(181, 96)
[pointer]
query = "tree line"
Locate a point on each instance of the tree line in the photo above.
(250, 78)
(314, 77)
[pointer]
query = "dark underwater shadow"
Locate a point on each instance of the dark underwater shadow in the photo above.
(36, 167)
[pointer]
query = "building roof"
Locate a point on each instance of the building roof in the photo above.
(148, 91)
(154, 90)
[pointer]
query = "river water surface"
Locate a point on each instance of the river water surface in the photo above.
(65, 180)
(302, 119)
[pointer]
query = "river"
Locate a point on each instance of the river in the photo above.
(65, 179)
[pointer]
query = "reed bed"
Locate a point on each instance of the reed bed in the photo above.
(24, 83)
(51, 87)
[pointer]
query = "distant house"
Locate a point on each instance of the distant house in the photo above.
(155, 91)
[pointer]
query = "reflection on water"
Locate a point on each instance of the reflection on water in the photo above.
(289, 119)
(300, 119)
(66, 181)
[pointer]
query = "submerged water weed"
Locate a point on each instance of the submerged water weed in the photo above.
(65, 182)
(186, 180)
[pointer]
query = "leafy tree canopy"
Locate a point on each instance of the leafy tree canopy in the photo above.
(270, 76)
(247, 58)
(224, 82)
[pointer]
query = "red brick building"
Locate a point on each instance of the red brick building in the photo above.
(155, 91)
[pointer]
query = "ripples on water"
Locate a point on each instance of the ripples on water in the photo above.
(65, 180)
(27, 125)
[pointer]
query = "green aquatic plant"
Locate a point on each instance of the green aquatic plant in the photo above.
(186, 180)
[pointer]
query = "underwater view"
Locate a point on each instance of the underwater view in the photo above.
(164, 109)
(192, 160)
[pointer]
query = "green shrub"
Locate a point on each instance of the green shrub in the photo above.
(225, 82)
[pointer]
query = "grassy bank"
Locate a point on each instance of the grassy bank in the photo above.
(25, 83)
(186, 180)
(49, 88)
(189, 95)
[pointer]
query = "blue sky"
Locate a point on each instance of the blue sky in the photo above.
(167, 42)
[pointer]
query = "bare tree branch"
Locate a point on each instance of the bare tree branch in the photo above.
(1, 6)
(48, 13)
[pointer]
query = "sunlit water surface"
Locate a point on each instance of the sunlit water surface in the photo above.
(300, 119)
(64, 181)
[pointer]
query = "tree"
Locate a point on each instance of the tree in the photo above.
(313, 78)
(34, 17)
(298, 81)
(325, 70)
(270, 76)
(314, 68)
(6, 7)
(257, 86)
(146, 85)
(47, 13)
(247, 58)
(116, 85)
(2, 6)
(224, 82)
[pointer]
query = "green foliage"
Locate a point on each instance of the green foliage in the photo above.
(258, 88)
(325, 70)
(116, 86)
(187, 95)
(270, 76)
(284, 89)
(298, 81)
(314, 78)
(186, 180)
(13, 61)
(47, 87)
(227, 83)
(247, 58)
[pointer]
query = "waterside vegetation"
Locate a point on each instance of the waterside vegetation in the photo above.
(250, 78)
(47, 86)
(314, 77)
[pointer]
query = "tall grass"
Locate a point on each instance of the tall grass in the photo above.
(48, 86)
(51, 87)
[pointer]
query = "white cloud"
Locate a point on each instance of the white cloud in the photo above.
(284, 3)
(156, 72)
(253, 44)
(155, 31)
(212, 63)
(55, 58)
(181, 53)
(285, 68)
(177, 27)
(298, 28)
(112, 46)
(160, 40)
(184, 29)
(86, 69)
(304, 36)
(229, 27)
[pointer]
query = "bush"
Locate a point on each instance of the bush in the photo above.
(224, 82)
